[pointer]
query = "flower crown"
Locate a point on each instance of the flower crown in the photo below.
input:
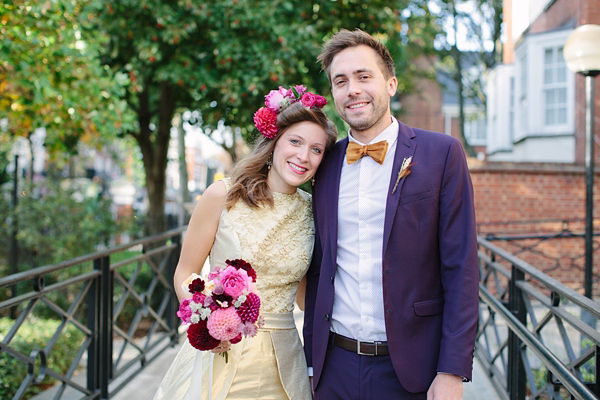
(265, 119)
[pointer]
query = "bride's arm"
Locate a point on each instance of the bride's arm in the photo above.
(301, 293)
(200, 234)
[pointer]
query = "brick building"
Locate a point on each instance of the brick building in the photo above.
(433, 105)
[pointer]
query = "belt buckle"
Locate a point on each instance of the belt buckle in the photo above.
(358, 343)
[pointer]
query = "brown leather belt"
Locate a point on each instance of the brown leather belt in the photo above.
(361, 347)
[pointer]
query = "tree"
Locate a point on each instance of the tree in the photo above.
(50, 76)
(480, 22)
(222, 58)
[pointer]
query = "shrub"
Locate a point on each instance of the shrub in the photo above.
(35, 334)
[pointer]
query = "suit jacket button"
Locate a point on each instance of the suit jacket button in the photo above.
(326, 317)
(331, 279)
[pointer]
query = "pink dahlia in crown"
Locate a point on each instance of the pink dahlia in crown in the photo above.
(225, 307)
(265, 119)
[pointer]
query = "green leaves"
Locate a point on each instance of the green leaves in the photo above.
(52, 77)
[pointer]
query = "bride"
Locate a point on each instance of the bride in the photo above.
(261, 216)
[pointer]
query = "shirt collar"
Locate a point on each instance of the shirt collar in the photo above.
(390, 134)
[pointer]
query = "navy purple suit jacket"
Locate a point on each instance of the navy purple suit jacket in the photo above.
(430, 272)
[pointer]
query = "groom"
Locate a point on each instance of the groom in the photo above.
(392, 295)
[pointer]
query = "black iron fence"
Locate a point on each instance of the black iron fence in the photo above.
(117, 306)
(536, 337)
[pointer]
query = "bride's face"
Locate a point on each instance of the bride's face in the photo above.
(296, 157)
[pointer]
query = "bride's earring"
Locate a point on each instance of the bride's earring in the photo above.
(270, 161)
(312, 181)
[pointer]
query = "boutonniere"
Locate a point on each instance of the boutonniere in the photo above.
(404, 171)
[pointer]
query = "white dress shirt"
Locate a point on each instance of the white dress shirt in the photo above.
(358, 301)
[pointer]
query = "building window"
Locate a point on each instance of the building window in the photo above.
(511, 110)
(523, 97)
(555, 87)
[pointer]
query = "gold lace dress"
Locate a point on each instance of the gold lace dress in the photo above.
(278, 243)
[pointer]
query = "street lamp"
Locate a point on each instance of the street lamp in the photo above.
(582, 54)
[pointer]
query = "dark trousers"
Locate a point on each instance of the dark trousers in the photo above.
(349, 376)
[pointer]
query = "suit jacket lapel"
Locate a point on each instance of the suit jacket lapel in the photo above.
(405, 147)
(333, 193)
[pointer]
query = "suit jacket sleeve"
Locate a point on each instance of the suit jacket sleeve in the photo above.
(459, 270)
(311, 290)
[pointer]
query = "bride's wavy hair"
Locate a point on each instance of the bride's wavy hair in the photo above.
(249, 177)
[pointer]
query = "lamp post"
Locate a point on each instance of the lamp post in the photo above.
(582, 54)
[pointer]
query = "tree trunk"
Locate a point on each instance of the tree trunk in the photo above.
(154, 147)
(461, 96)
(183, 172)
(31, 159)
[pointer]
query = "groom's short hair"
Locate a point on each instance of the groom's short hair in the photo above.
(345, 39)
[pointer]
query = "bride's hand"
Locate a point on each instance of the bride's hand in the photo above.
(223, 346)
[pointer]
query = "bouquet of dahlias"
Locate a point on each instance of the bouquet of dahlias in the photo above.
(225, 307)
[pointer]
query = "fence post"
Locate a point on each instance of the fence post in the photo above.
(14, 244)
(105, 327)
(93, 323)
(516, 368)
(172, 319)
(596, 388)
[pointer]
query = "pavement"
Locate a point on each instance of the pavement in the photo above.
(145, 384)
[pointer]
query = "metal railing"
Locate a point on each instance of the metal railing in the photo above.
(536, 337)
(121, 304)
(532, 340)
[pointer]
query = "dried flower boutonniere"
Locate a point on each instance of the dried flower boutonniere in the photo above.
(404, 171)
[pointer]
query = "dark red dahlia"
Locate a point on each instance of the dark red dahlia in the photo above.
(196, 286)
(241, 264)
(223, 297)
(248, 311)
(236, 339)
(200, 338)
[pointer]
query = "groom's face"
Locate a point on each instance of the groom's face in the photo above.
(361, 91)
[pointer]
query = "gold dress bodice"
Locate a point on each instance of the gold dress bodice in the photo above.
(277, 241)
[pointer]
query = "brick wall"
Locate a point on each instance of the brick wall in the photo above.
(422, 107)
(507, 195)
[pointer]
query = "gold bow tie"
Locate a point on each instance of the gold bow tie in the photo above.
(376, 151)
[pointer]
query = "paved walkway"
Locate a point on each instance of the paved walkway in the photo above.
(145, 384)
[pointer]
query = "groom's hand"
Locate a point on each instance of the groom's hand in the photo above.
(445, 387)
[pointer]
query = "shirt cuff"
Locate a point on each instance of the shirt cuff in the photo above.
(448, 373)
(310, 371)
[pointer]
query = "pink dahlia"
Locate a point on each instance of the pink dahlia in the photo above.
(309, 100)
(223, 324)
(185, 312)
(248, 311)
(234, 281)
(200, 338)
(265, 121)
